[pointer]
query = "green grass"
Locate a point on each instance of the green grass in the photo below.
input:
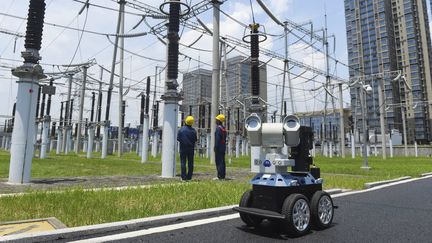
(77, 207)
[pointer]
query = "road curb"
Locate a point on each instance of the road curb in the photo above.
(426, 174)
(378, 183)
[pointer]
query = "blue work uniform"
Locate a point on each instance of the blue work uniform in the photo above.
(187, 138)
(219, 149)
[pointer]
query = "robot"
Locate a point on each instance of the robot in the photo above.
(294, 198)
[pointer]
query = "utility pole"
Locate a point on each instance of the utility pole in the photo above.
(99, 105)
(106, 123)
(341, 122)
(91, 127)
(145, 136)
(324, 144)
(121, 116)
(382, 102)
(81, 109)
(171, 97)
(215, 75)
(29, 75)
(286, 74)
(68, 123)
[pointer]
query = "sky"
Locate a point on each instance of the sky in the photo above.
(62, 46)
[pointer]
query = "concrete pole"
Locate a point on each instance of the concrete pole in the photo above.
(247, 147)
(391, 148)
(243, 146)
(313, 149)
(120, 107)
(29, 74)
(59, 141)
(237, 148)
(105, 126)
(67, 115)
(381, 101)
(341, 122)
(4, 141)
(106, 123)
(81, 109)
(145, 139)
(353, 146)
(215, 75)
(229, 146)
(375, 150)
(91, 134)
(416, 148)
(139, 141)
(85, 144)
(68, 140)
(209, 149)
(45, 139)
(169, 138)
(154, 149)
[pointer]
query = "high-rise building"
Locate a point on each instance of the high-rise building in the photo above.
(197, 92)
(238, 78)
(392, 35)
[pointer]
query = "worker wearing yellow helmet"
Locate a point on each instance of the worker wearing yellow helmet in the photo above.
(187, 138)
(220, 146)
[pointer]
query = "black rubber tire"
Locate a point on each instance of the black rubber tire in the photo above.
(246, 201)
(316, 220)
(288, 211)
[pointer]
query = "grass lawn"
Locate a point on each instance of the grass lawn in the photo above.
(78, 207)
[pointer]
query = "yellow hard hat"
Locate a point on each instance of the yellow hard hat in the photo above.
(220, 117)
(189, 120)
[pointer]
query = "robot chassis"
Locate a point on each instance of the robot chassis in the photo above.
(295, 198)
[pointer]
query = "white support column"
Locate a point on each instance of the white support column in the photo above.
(145, 139)
(59, 141)
(97, 146)
(68, 140)
(391, 147)
(44, 145)
(169, 138)
(209, 149)
(105, 126)
(23, 134)
(91, 134)
(375, 150)
(155, 142)
(243, 144)
(51, 144)
(313, 149)
(352, 146)
(229, 146)
(330, 144)
(3, 141)
(416, 148)
(85, 145)
(237, 147)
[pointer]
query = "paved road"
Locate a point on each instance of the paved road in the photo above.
(399, 213)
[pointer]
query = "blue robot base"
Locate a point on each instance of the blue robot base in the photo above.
(269, 192)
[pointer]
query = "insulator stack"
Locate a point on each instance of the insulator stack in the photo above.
(173, 38)
(147, 100)
(142, 109)
(35, 23)
(254, 42)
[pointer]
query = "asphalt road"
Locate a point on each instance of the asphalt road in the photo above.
(399, 213)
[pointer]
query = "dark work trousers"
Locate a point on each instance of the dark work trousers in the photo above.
(220, 164)
(189, 155)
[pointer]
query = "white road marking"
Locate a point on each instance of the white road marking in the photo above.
(380, 187)
(159, 229)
